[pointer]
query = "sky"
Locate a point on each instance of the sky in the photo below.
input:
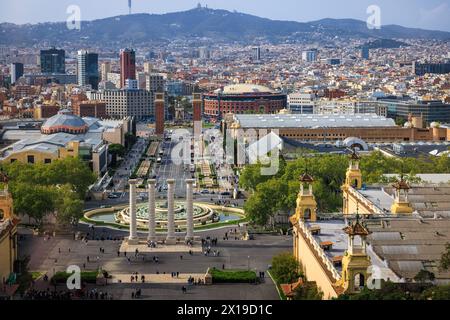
(426, 14)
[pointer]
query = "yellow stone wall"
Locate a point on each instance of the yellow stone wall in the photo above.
(71, 150)
(312, 267)
(8, 255)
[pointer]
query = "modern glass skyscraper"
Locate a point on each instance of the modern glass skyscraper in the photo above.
(88, 69)
(127, 66)
(16, 71)
(53, 61)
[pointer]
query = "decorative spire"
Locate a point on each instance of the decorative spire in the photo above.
(354, 155)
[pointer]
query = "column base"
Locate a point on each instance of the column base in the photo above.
(152, 238)
(189, 238)
(133, 241)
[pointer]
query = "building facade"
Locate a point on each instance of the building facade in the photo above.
(242, 99)
(53, 61)
(88, 69)
(124, 103)
(16, 71)
(127, 66)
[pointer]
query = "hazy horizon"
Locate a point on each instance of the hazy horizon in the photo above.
(425, 14)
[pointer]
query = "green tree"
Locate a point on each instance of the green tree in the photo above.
(34, 201)
(116, 150)
(308, 291)
(437, 293)
(71, 171)
(69, 206)
(424, 276)
(285, 268)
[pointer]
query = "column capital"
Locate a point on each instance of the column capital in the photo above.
(170, 181)
(133, 181)
(190, 181)
(151, 181)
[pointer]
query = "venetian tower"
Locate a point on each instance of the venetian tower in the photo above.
(356, 262)
(353, 177)
(306, 202)
(401, 203)
(306, 209)
(6, 201)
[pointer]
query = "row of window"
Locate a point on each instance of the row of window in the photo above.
(31, 160)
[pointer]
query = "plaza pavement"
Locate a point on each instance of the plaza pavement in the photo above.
(53, 255)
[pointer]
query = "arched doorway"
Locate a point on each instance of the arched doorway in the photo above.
(307, 214)
(360, 282)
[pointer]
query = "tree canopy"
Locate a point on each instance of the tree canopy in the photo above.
(57, 188)
(272, 194)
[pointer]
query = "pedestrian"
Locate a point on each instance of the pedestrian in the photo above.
(87, 259)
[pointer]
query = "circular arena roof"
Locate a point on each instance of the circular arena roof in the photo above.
(246, 89)
(64, 122)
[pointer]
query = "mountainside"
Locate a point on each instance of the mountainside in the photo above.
(220, 25)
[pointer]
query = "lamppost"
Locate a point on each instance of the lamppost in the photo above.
(248, 263)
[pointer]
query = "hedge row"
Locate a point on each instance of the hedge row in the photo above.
(224, 276)
(86, 276)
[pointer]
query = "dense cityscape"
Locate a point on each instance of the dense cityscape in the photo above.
(287, 165)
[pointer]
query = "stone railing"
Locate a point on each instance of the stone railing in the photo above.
(364, 201)
(320, 253)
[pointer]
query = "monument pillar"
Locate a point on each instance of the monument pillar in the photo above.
(171, 238)
(133, 238)
(151, 210)
(189, 209)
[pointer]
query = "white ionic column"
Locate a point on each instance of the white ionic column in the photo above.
(170, 211)
(132, 212)
(189, 209)
(151, 210)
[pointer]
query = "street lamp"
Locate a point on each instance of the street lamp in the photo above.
(248, 263)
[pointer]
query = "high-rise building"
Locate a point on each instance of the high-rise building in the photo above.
(131, 84)
(159, 113)
(53, 61)
(106, 68)
(204, 53)
(421, 69)
(148, 67)
(16, 71)
(127, 65)
(365, 53)
(156, 82)
(256, 53)
(309, 55)
(88, 69)
(124, 103)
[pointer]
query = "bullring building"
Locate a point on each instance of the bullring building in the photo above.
(243, 99)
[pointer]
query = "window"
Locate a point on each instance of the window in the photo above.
(30, 159)
(47, 161)
(13, 160)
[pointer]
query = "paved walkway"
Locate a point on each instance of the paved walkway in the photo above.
(158, 278)
(160, 248)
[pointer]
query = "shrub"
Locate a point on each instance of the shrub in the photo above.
(233, 276)
(86, 276)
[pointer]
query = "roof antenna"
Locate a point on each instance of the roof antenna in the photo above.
(129, 6)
